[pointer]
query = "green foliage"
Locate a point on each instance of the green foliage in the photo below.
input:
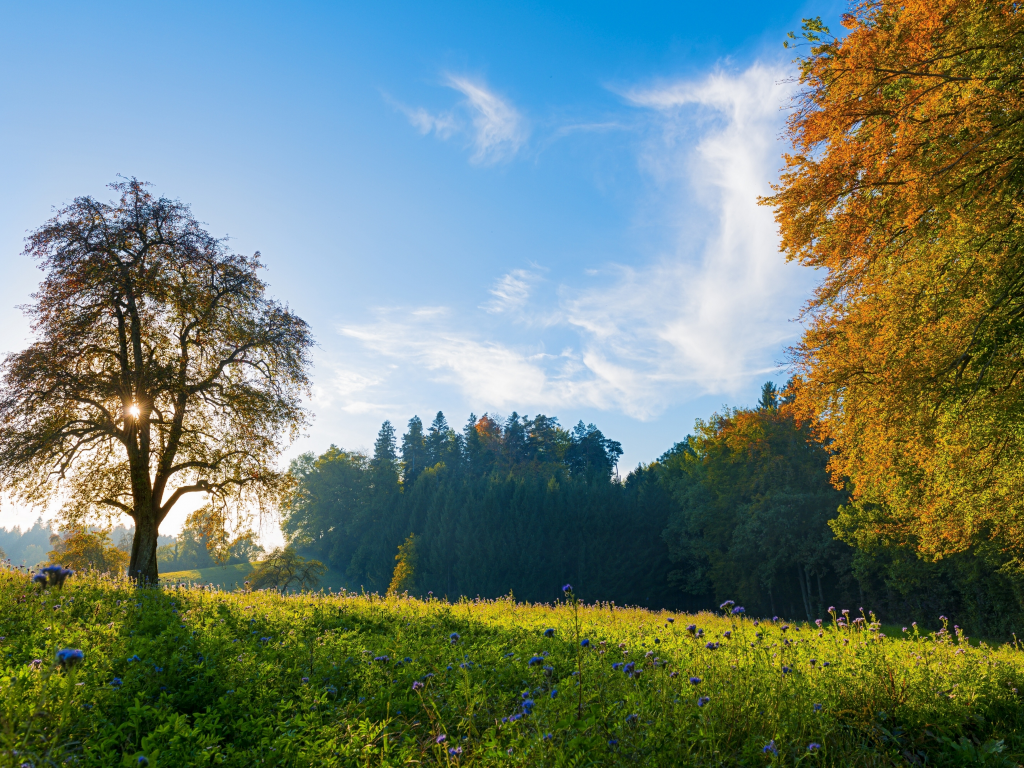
(195, 677)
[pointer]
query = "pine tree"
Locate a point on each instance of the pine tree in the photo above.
(414, 451)
(438, 440)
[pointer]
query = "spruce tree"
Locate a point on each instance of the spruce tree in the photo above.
(414, 451)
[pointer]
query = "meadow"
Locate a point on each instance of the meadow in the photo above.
(193, 675)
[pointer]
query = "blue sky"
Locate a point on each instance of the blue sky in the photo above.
(547, 208)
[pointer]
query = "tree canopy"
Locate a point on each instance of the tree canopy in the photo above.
(159, 368)
(903, 187)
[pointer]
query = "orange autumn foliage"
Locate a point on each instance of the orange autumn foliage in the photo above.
(904, 187)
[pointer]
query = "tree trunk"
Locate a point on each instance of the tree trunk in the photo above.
(142, 567)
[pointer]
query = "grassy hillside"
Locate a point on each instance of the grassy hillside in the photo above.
(190, 676)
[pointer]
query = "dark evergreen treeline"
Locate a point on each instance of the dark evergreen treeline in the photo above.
(520, 505)
(742, 509)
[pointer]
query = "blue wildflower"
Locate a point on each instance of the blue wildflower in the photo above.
(69, 656)
(670, 620)
(535, 660)
(613, 743)
(813, 746)
(817, 707)
(770, 747)
(549, 632)
(585, 642)
(440, 739)
(727, 605)
(695, 680)
(454, 637)
(554, 692)
(116, 682)
(711, 646)
(632, 719)
(691, 628)
(455, 751)
(785, 670)
(703, 700)
(616, 665)
(738, 610)
(567, 588)
(547, 737)
(417, 685)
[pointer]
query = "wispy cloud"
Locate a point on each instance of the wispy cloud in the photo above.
(511, 291)
(495, 129)
(708, 313)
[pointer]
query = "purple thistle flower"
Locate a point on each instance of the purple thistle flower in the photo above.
(440, 739)
(711, 646)
(455, 751)
(727, 605)
(417, 685)
(738, 610)
(691, 628)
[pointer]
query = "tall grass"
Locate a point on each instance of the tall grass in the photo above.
(198, 676)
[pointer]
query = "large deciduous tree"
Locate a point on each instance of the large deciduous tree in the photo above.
(159, 368)
(905, 188)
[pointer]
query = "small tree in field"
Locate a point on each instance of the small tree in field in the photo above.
(285, 568)
(159, 368)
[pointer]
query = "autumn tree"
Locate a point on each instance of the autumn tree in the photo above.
(904, 188)
(159, 368)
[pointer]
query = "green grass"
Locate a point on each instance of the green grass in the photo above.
(189, 676)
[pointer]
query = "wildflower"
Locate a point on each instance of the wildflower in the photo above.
(817, 707)
(691, 628)
(116, 682)
(785, 627)
(727, 605)
(548, 670)
(904, 629)
(785, 670)
(554, 692)
(528, 706)
(770, 747)
(632, 719)
(670, 620)
(616, 665)
(585, 643)
(535, 660)
(142, 761)
(383, 659)
(454, 751)
(440, 739)
(695, 681)
(39, 578)
(547, 737)
(943, 618)
(69, 656)
(630, 668)
(700, 633)
(454, 637)
(567, 588)
(703, 700)
(813, 746)
(613, 743)
(738, 610)
(727, 634)
(817, 622)
(549, 632)
(305, 680)
(711, 646)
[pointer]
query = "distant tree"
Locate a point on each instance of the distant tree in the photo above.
(384, 463)
(590, 452)
(284, 569)
(404, 576)
(81, 549)
(769, 397)
(160, 368)
(414, 451)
